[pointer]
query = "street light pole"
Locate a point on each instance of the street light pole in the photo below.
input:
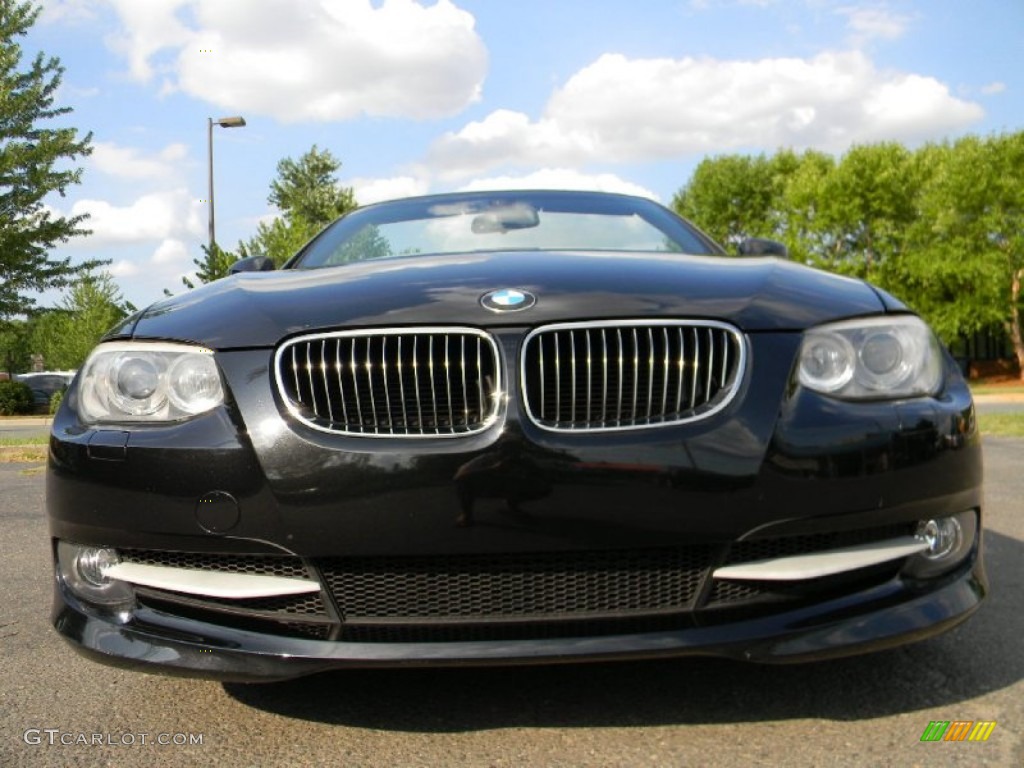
(223, 122)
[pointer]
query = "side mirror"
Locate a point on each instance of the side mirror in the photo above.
(252, 264)
(760, 246)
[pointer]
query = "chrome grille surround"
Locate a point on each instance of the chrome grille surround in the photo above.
(411, 382)
(613, 375)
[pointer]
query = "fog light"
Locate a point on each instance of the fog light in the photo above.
(82, 570)
(942, 536)
(92, 562)
(949, 540)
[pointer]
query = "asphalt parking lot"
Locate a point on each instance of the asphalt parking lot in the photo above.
(59, 709)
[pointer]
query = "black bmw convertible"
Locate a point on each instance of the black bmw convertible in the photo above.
(513, 427)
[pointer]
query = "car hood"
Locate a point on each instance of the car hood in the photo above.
(258, 309)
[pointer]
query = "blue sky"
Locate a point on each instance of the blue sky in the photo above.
(419, 97)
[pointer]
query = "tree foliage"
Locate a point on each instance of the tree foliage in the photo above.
(15, 349)
(214, 265)
(35, 161)
(91, 307)
(307, 193)
(307, 189)
(735, 196)
(15, 398)
(942, 226)
(279, 239)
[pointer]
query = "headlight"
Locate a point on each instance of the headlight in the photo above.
(871, 358)
(139, 381)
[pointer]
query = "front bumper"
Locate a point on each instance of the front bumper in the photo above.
(780, 465)
(887, 615)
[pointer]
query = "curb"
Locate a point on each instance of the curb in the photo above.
(1009, 397)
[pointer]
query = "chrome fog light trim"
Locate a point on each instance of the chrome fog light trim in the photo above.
(818, 564)
(212, 583)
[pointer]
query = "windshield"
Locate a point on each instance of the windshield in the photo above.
(473, 222)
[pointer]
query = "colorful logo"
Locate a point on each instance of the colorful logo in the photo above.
(958, 730)
(508, 300)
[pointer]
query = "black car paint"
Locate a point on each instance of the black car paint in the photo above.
(259, 309)
(778, 460)
(306, 492)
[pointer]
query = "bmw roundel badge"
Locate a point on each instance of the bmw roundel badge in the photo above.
(508, 300)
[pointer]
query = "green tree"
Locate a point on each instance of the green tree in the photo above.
(35, 161)
(966, 262)
(731, 197)
(941, 226)
(91, 307)
(308, 194)
(803, 231)
(863, 209)
(214, 265)
(14, 345)
(279, 239)
(307, 189)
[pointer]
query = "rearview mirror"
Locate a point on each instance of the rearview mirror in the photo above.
(760, 246)
(505, 219)
(252, 264)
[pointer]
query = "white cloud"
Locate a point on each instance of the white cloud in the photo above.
(144, 275)
(628, 110)
(993, 88)
(132, 163)
(148, 28)
(874, 23)
(308, 60)
(170, 251)
(153, 216)
(375, 190)
(124, 268)
(68, 11)
(562, 178)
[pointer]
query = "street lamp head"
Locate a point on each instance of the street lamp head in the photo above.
(230, 122)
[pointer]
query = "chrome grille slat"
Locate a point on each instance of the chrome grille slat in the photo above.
(396, 382)
(341, 382)
(618, 408)
(448, 383)
(387, 387)
(369, 384)
(665, 369)
(572, 348)
(695, 372)
(636, 371)
(652, 373)
(604, 388)
(401, 385)
(355, 387)
(710, 365)
(558, 381)
(682, 370)
(465, 391)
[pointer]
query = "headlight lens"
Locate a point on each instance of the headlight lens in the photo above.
(138, 381)
(871, 358)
